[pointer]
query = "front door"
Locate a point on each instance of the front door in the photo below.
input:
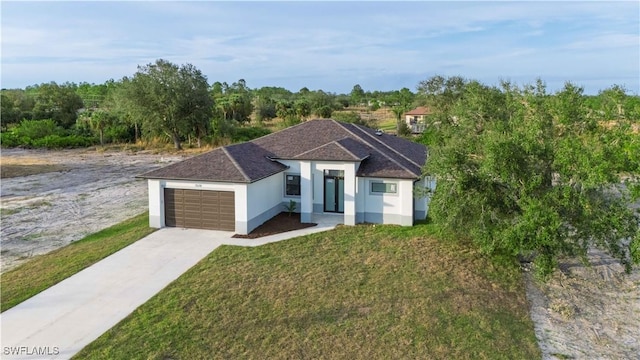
(334, 191)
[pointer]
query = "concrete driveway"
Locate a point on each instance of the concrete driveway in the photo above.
(60, 321)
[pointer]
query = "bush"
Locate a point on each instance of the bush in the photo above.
(37, 129)
(43, 134)
(119, 133)
(354, 118)
(9, 139)
(403, 129)
(348, 116)
(242, 134)
(59, 142)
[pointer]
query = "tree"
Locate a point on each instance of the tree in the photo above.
(117, 102)
(302, 108)
(401, 125)
(324, 111)
(322, 103)
(265, 108)
(233, 102)
(357, 95)
(525, 173)
(98, 121)
(170, 99)
(11, 112)
(57, 102)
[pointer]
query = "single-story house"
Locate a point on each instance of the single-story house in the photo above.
(415, 119)
(324, 166)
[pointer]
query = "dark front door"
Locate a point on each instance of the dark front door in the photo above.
(333, 191)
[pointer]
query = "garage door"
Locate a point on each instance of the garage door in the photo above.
(200, 209)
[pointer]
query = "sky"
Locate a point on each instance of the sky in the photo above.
(326, 45)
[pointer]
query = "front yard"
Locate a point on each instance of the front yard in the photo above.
(354, 293)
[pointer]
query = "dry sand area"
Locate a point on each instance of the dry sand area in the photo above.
(51, 198)
(57, 197)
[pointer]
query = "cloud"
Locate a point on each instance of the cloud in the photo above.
(333, 44)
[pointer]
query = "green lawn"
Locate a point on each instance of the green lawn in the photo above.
(44, 271)
(389, 125)
(363, 292)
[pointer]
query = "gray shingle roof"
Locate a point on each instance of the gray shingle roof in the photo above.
(380, 155)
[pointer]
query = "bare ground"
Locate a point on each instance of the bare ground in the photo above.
(587, 312)
(581, 313)
(93, 190)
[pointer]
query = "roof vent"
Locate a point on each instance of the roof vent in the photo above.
(379, 132)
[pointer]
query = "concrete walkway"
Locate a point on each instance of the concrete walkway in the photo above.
(60, 321)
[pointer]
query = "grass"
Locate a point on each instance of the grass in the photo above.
(13, 170)
(383, 292)
(7, 212)
(389, 125)
(44, 271)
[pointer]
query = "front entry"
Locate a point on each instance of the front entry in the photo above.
(334, 191)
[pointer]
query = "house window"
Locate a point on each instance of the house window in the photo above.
(292, 185)
(378, 187)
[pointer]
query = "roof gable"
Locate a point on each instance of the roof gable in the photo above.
(420, 110)
(333, 151)
(215, 164)
(381, 155)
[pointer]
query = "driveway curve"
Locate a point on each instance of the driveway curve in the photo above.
(60, 321)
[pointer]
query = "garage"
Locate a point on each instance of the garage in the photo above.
(200, 209)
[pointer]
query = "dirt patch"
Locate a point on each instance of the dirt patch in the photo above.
(587, 312)
(280, 223)
(11, 167)
(62, 196)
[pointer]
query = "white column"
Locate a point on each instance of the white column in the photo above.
(242, 209)
(156, 203)
(350, 193)
(306, 191)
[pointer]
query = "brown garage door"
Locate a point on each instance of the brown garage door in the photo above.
(200, 209)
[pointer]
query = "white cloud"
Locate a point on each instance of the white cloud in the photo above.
(338, 44)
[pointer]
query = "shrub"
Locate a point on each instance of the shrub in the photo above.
(242, 134)
(348, 116)
(403, 129)
(59, 142)
(9, 139)
(37, 129)
(119, 133)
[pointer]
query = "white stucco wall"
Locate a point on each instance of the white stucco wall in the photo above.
(386, 208)
(312, 186)
(264, 200)
(258, 202)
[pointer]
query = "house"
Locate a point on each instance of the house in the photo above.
(415, 119)
(325, 166)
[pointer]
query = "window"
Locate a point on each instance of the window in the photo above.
(292, 185)
(384, 188)
(334, 173)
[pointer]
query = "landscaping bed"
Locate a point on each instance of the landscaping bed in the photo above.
(280, 223)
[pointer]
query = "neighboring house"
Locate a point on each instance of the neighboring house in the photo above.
(415, 119)
(325, 166)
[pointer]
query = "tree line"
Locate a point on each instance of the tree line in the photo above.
(167, 101)
(521, 171)
(532, 174)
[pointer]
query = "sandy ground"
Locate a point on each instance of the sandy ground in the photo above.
(587, 312)
(581, 313)
(95, 190)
